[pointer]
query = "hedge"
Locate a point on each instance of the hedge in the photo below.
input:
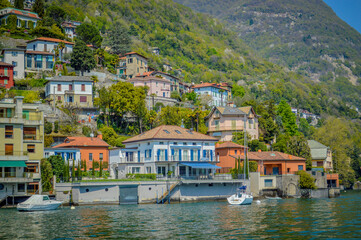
(151, 176)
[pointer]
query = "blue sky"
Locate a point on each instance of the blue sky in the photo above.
(347, 10)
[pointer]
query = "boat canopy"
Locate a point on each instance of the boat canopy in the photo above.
(201, 165)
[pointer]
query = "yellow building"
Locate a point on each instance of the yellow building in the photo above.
(21, 147)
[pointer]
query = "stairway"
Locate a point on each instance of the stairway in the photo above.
(166, 196)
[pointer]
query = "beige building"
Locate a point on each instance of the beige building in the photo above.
(321, 155)
(21, 147)
(223, 121)
(131, 65)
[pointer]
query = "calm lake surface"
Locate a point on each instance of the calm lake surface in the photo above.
(287, 218)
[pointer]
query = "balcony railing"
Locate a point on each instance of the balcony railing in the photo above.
(32, 117)
(225, 128)
(32, 137)
(13, 153)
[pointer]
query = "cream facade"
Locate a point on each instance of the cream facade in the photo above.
(132, 65)
(15, 56)
(22, 129)
(222, 122)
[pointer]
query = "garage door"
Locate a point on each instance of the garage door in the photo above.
(128, 194)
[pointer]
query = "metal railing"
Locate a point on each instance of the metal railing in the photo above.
(13, 153)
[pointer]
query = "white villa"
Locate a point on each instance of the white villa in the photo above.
(169, 150)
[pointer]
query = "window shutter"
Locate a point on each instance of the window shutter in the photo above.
(199, 154)
(204, 153)
(150, 153)
(158, 153)
(180, 155)
(166, 155)
(172, 152)
(192, 155)
(211, 155)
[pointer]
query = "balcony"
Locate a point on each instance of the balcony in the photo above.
(11, 177)
(14, 155)
(32, 137)
(225, 128)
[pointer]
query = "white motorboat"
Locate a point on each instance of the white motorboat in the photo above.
(38, 203)
(241, 197)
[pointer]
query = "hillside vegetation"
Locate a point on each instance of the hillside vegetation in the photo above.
(204, 50)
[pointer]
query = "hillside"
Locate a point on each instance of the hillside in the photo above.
(306, 36)
(204, 50)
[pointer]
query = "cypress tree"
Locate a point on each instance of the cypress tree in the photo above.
(19, 4)
(101, 169)
(93, 168)
(38, 8)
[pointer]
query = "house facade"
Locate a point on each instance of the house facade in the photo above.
(25, 19)
(6, 75)
(131, 65)
(48, 45)
(73, 90)
(158, 86)
(15, 57)
(21, 147)
(174, 81)
(91, 149)
(69, 28)
(68, 154)
(39, 61)
(169, 150)
(277, 163)
(218, 93)
(226, 154)
(321, 155)
(222, 122)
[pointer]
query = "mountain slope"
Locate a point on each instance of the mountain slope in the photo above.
(304, 35)
(204, 50)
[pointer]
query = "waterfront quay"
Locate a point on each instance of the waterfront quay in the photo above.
(126, 192)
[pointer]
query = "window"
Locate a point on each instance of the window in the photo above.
(29, 133)
(34, 47)
(21, 187)
(39, 61)
(166, 131)
(235, 152)
(185, 155)
(101, 156)
(137, 70)
(206, 144)
(49, 62)
(194, 144)
(31, 148)
(6, 71)
(130, 60)
(161, 143)
(233, 124)
(300, 167)
(14, 63)
(175, 143)
(163, 94)
(59, 98)
(83, 87)
(268, 183)
(70, 87)
(161, 171)
(70, 99)
(216, 122)
(90, 157)
(14, 54)
(29, 60)
(135, 169)
(9, 149)
(15, 73)
(9, 131)
(59, 87)
(177, 131)
(82, 98)
(156, 84)
(185, 144)
(148, 169)
(45, 47)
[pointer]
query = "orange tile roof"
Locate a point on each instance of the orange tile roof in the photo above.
(272, 155)
(50, 40)
(129, 53)
(4, 64)
(137, 78)
(82, 142)
(22, 13)
(39, 52)
(202, 85)
(229, 145)
(146, 73)
(169, 132)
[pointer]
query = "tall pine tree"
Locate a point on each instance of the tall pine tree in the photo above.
(119, 39)
(82, 58)
(19, 4)
(38, 8)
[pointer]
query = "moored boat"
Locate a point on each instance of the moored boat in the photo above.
(38, 203)
(241, 197)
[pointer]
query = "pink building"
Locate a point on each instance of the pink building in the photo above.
(157, 85)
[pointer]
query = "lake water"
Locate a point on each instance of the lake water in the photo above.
(286, 218)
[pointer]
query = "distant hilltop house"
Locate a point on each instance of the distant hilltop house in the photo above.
(6, 75)
(25, 19)
(155, 50)
(306, 115)
(28, 4)
(220, 93)
(222, 122)
(131, 65)
(70, 28)
(158, 86)
(76, 91)
(321, 155)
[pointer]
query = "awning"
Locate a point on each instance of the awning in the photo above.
(217, 134)
(200, 165)
(12, 164)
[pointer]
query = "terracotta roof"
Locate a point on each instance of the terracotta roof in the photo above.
(148, 79)
(215, 85)
(229, 145)
(168, 132)
(71, 78)
(122, 58)
(39, 52)
(130, 53)
(50, 40)
(4, 64)
(272, 155)
(82, 142)
(21, 13)
(145, 74)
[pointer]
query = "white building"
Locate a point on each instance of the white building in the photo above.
(15, 56)
(44, 44)
(73, 90)
(169, 150)
(219, 93)
(115, 156)
(25, 19)
(69, 28)
(68, 154)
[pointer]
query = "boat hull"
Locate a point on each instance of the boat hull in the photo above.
(234, 200)
(38, 207)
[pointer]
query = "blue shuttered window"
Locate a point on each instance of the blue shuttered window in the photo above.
(204, 153)
(192, 155)
(211, 155)
(138, 156)
(158, 153)
(166, 155)
(150, 153)
(180, 155)
(199, 155)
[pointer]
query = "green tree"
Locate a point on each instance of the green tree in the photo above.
(12, 22)
(288, 118)
(82, 58)
(89, 34)
(101, 169)
(238, 90)
(306, 180)
(56, 13)
(48, 127)
(86, 131)
(238, 137)
(256, 145)
(57, 164)
(56, 126)
(119, 39)
(298, 146)
(46, 175)
(4, 4)
(19, 4)
(38, 8)
(304, 127)
(170, 116)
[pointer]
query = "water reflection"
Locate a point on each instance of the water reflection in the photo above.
(289, 218)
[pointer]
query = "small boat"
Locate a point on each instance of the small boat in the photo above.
(273, 198)
(241, 197)
(38, 203)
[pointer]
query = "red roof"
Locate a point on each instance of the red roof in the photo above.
(22, 13)
(130, 53)
(202, 85)
(50, 40)
(83, 142)
(272, 155)
(228, 145)
(4, 64)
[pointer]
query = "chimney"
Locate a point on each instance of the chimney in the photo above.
(259, 150)
(100, 136)
(19, 106)
(217, 144)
